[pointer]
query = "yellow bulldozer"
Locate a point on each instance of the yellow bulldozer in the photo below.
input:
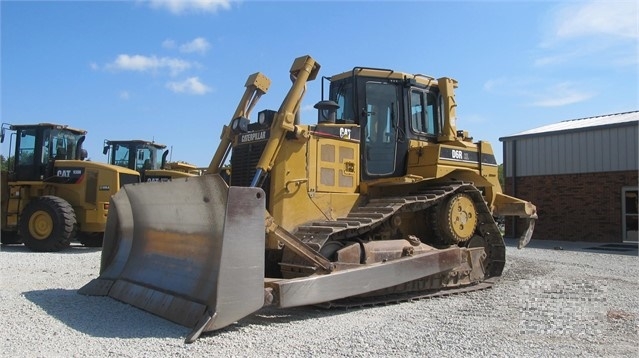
(382, 199)
(144, 157)
(50, 194)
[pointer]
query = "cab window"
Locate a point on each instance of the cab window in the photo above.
(423, 112)
(343, 96)
(26, 150)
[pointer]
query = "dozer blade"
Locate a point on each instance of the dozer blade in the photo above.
(510, 206)
(190, 251)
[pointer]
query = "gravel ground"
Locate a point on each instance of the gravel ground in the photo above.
(548, 303)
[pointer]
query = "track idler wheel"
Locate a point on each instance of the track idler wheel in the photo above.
(456, 219)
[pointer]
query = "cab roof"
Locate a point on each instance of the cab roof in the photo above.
(386, 74)
(136, 142)
(48, 125)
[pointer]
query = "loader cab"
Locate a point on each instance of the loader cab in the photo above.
(391, 109)
(37, 146)
(139, 155)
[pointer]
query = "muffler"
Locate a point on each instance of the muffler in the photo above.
(190, 251)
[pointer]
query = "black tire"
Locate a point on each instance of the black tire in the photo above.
(9, 237)
(91, 239)
(47, 224)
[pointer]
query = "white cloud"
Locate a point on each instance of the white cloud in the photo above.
(148, 63)
(493, 84)
(168, 43)
(592, 52)
(561, 94)
(94, 66)
(125, 95)
(603, 33)
(191, 85)
(199, 45)
(184, 6)
(615, 18)
(540, 92)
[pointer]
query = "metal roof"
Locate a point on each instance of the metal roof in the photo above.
(609, 120)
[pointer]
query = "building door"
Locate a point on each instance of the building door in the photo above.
(629, 208)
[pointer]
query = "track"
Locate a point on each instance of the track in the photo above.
(364, 219)
(377, 211)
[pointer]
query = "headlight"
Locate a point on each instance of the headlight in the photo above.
(240, 125)
(265, 118)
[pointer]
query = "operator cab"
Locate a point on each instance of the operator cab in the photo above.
(37, 146)
(391, 109)
(139, 155)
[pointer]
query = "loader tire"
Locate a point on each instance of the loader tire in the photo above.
(47, 224)
(91, 239)
(9, 237)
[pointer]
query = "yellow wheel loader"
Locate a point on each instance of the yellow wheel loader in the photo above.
(144, 157)
(382, 199)
(50, 194)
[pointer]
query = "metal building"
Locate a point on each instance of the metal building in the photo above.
(582, 174)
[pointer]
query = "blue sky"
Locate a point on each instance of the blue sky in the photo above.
(173, 71)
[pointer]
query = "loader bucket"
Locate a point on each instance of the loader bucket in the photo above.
(190, 251)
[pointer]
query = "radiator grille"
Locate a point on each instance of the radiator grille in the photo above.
(244, 159)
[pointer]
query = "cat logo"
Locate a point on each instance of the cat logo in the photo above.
(254, 136)
(64, 173)
(68, 173)
(157, 179)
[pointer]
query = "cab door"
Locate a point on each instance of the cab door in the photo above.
(383, 140)
(32, 154)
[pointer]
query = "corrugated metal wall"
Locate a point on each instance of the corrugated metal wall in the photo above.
(603, 149)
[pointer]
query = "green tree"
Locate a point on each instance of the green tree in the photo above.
(500, 175)
(5, 163)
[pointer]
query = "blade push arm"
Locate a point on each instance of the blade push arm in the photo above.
(256, 85)
(303, 69)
